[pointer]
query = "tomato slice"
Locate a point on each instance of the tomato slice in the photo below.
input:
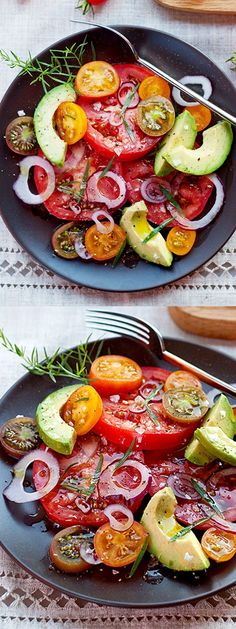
(97, 79)
(185, 405)
(71, 122)
(181, 380)
(180, 241)
(104, 246)
(64, 550)
(161, 469)
(154, 86)
(63, 240)
(117, 549)
(108, 132)
(18, 436)
(219, 545)
(83, 409)
(115, 374)
(155, 115)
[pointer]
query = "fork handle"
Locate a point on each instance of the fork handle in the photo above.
(203, 375)
(187, 90)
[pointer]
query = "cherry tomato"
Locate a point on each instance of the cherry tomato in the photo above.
(83, 409)
(71, 122)
(63, 240)
(115, 374)
(65, 549)
(185, 405)
(20, 136)
(155, 115)
(202, 116)
(219, 545)
(181, 380)
(97, 79)
(117, 549)
(154, 86)
(180, 241)
(18, 436)
(104, 246)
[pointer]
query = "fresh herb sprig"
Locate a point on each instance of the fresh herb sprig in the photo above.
(147, 400)
(233, 60)
(128, 129)
(72, 364)
(107, 168)
(86, 7)
(119, 253)
(189, 528)
(75, 486)
(126, 454)
(157, 230)
(67, 188)
(138, 559)
(128, 100)
(172, 199)
(209, 499)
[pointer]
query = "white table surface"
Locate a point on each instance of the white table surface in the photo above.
(33, 25)
(25, 603)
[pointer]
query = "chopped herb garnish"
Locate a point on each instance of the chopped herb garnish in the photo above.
(126, 455)
(119, 254)
(73, 485)
(138, 559)
(147, 400)
(157, 229)
(233, 60)
(96, 476)
(189, 528)
(172, 200)
(129, 130)
(128, 100)
(207, 497)
(107, 168)
(68, 188)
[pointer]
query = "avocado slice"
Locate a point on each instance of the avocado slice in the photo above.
(159, 521)
(53, 147)
(52, 429)
(217, 443)
(215, 148)
(135, 224)
(183, 132)
(221, 414)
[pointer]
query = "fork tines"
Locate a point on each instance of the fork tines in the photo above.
(119, 324)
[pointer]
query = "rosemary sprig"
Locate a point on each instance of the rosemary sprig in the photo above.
(129, 130)
(209, 499)
(138, 559)
(172, 200)
(93, 51)
(96, 476)
(157, 229)
(128, 100)
(233, 60)
(107, 168)
(189, 528)
(126, 455)
(148, 399)
(119, 253)
(78, 488)
(68, 187)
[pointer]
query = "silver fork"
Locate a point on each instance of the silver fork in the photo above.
(127, 325)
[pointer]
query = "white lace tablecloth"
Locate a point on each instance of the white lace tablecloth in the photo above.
(33, 25)
(26, 603)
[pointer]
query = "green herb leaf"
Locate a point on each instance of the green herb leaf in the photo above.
(128, 100)
(94, 55)
(86, 7)
(96, 476)
(152, 415)
(119, 253)
(147, 400)
(138, 559)
(233, 60)
(129, 131)
(75, 486)
(107, 168)
(126, 455)
(189, 528)
(209, 499)
(172, 200)
(157, 229)
(68, 187)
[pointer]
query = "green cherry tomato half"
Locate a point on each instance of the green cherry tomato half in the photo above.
(155, 115)
(63, 240)
(185, 405)
(65, 549)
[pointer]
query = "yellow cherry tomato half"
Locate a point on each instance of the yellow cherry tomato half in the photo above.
(116, 548)
(219, 545)
(96, 79)
(154, 86)
(83, 409)
(155, 115)
(180, 241)
(181, 380)
(201, 114)
(104, 246)
(71, 122)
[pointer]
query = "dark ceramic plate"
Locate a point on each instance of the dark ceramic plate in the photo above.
(27, 538)
(33, 229)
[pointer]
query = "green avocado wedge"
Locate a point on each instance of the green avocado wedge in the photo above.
(215, 148)
(183, 554)
(53, 431)
(134, 223)
(53, 147)
(221, 415)
(217, 443)
(183, 132)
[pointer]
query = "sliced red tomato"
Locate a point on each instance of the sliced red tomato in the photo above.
(192, 193)
(189, 513)
(62, 205)
(107, 132)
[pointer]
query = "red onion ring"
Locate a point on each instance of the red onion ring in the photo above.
(124, 91)
(87, 553)
(21, 186)
(202, 222)
(223, 524)
(150, 189)
(108, 487)
(192, 80)
(214, 478)
(148, 387)
(115, 524)
(137, 405)
(16, 492)
(95, 196)
(82, 506)
(103, 229)
(176, 480)
(81, 250)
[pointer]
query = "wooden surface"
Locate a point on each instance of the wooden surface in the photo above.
(212, 322)
(208, 6)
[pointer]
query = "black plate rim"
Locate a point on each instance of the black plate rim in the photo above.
(208, 256)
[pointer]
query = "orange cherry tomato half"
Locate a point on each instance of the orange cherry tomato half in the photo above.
(115, 374)
(97, 79)
(83, 409)
(219, 545)
(71, 122)
(185, 406)
(180, 241)
(154, 86)
(201, 114)
(64, 551)
(104, 246)
(117, 549)
(182, 380)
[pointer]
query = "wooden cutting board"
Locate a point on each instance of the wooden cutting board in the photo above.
(213, 321)
(208, 6)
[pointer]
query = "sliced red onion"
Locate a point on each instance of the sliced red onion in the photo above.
(223, 524)
(149, 387)
(137, 405)
(108, 485)
(95, 196)
(115, 398)
(16, 492)
(182, 486)
(119, 525)
(76, 154)
(90, 444)
(21, 186)
(81, 250)
(192, 80)
(103, 229)
(215, 478)
(87, 553)
(82, 506)
(123, 93)
(115, 119)
(150, 189)
(202, 222)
